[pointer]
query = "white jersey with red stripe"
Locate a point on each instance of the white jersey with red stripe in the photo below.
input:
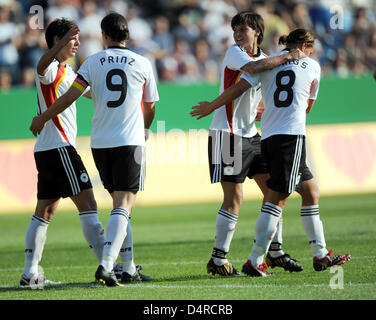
(60, 131)
(120, 80)
(238, 116)
(286, 90)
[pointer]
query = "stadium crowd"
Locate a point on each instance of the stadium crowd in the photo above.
(186, 39)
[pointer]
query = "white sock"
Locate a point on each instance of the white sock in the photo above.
(116, 231)
(275, 249)
(93, 232)
(225, 228)
(126, 252)
(34, 244)
(314, 230)
(265, 229)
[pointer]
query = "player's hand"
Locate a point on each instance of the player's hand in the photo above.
(202, 110)
(37, 125)
(297, 54)
(146, 133)
(72, 34)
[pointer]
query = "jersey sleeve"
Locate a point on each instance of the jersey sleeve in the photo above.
(84, 71)
(236, 58)
(315, 84)
(253, 80)
(150, 89)
(50, 74)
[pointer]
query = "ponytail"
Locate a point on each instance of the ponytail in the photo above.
(297, 36)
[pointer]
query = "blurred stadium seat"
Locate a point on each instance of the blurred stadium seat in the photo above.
(186, 39)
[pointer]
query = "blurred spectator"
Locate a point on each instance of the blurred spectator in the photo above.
(90, 30)
(185, 40)
(162, 35)
(62, 9)
(9, 56)
(31, 45)
(208, 70)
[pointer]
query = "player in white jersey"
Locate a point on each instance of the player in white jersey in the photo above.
(124, 94)
(233, 131)
(61, 172)
(289, 92)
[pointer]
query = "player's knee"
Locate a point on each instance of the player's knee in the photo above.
(47, 213)
(310, 196)
(233, 202)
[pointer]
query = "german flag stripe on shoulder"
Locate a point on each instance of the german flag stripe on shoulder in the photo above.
(80, 83)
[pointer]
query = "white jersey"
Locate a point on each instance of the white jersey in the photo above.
(286, 90)
(120, 80)
(61, 130)
(238, 116)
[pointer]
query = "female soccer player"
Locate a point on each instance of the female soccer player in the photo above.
(233, 131)
(124, 94)
(289, 92)
(61, 172)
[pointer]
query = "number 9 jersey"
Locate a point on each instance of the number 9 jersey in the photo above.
(286, 90)
(120, 81)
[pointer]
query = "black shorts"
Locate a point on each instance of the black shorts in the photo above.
(232, 158)
(286, 161)
(121, 168)
(61, 173)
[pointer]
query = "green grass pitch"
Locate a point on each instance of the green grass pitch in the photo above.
(174, 243)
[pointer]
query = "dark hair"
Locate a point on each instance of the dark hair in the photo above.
(298, 36)
(252, 20)
(115, 26)
(58, 27)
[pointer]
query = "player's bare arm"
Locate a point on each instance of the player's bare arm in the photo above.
(149, 114)
(205, 108)
(310, 105)
(260, 110)
(88, 94)
(57, 107)
(254, 67)
(51, 54)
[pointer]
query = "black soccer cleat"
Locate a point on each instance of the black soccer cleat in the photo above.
(226, 270)
(106, 277)
(284, 261)
(137, 276)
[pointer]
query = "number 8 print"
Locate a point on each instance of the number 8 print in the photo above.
(284, 88)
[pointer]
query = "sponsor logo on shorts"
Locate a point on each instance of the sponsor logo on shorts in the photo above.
(84, 177)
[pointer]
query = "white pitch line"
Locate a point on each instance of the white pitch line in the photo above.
(177, 263)
(225, 286)
(245, 286)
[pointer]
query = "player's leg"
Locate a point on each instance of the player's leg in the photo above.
(127, 270)
(36, 235)
(55, 179)
(313, 227)
(219, 147)
(122, 171)
(227, 218)
(275, 248)
(116, 228)
(92, 228)
(276, 257)
(281, 154)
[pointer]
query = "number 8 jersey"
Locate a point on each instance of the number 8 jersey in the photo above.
(120, 80)
(286, 90)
